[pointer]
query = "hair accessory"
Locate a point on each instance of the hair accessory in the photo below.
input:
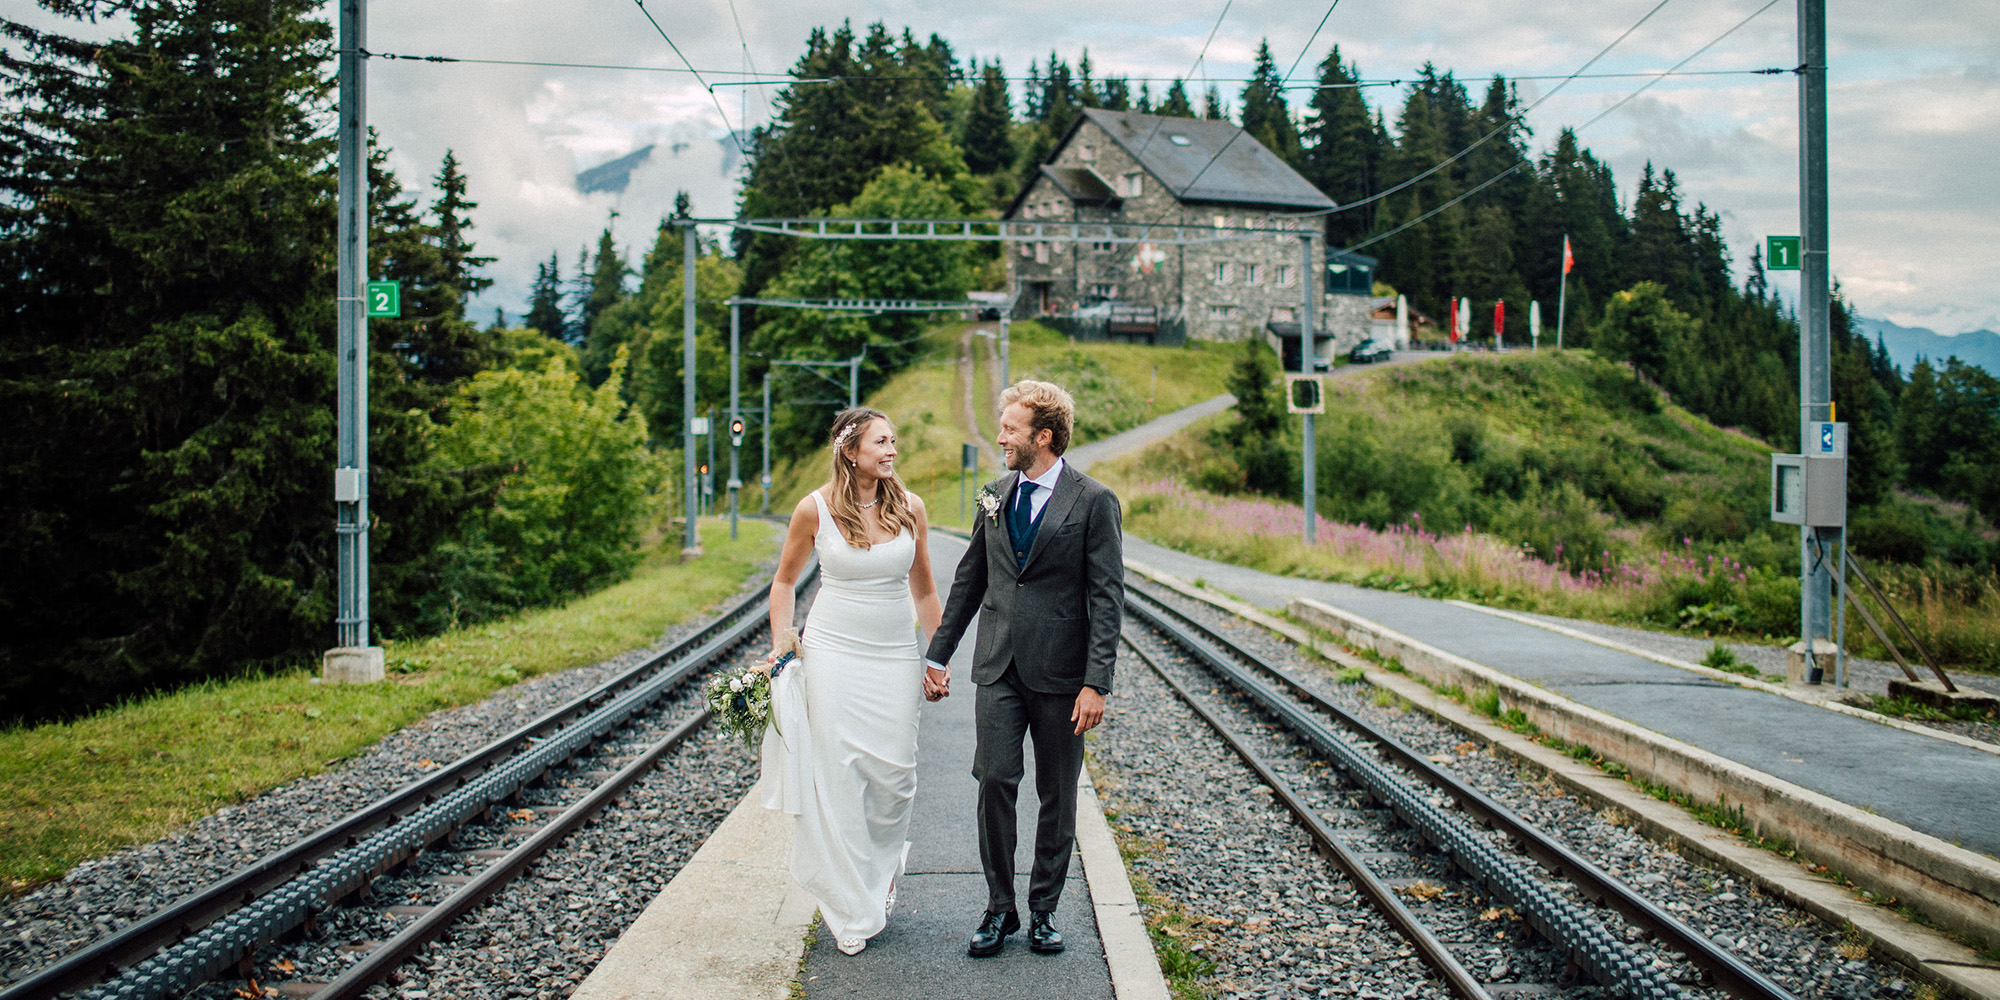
(845, 433)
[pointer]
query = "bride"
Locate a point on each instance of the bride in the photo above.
(842, 756)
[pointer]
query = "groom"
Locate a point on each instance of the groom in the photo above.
(1046, 573)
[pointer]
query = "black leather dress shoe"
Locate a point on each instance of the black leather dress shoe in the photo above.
(1042, 934)
(991, 935)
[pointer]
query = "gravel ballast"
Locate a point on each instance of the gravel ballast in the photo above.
(1195, 818)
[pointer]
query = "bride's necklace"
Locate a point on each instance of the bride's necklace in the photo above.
(871, 503)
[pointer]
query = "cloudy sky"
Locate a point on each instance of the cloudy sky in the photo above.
(1915, 106)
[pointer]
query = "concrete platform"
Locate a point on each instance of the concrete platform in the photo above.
(732, 925)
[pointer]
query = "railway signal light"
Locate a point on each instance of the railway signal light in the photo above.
(736, 433)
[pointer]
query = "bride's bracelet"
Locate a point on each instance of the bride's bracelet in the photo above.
(778, 665)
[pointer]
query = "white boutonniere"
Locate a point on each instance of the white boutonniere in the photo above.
(989, 502)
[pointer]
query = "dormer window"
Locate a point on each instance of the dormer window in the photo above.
(1129, 185)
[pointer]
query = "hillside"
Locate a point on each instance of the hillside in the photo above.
(1554, 483)
(1116, 386)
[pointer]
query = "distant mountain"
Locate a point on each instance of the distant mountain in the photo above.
(1907, 343)
(615, 175)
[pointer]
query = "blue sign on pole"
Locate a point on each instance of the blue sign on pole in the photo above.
(1826, 437)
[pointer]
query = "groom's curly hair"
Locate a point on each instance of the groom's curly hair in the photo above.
(1052, 408)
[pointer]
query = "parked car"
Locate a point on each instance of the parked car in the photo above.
(1367, 351)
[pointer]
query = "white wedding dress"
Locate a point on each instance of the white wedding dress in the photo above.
(843, 758)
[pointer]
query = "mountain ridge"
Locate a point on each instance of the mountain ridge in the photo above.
(1908, 343)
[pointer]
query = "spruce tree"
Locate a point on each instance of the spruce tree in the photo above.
(1343, 154)
(1265, 114)
(169, 387)
(1211, 105)
(607, 288)
(989, 123)
(545, 310)
(1175, 103)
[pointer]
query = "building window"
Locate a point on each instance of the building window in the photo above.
(1178, 140)
(1027, 249)
(1222, 222)
(1130, 185)
(1284, 314)
(1222, 272)
(1086, 154)
(1104, 291)
(1221, 312)
(1249, 274)
(1284, 276)
(1104, 246)
(1041, 253)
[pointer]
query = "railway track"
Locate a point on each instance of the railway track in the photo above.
(220, 929)
(1522, 869)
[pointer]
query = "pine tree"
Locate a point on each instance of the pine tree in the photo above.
(165, 231)
(989, 123)
(545, 311)
(453, 211)
(1175, 103)
(607, 289)
(1211, 105)
(1344, 153)
(1265, 114)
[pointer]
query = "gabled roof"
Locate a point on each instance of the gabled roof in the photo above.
(1082, 184)
(1244, 172)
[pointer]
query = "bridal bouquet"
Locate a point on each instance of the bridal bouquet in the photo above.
(741, 700)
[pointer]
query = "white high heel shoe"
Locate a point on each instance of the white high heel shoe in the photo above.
(851, 946)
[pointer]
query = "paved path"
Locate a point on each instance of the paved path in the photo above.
(1938, 787)
(941, 898)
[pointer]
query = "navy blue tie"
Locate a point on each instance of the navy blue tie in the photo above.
(1024, 516)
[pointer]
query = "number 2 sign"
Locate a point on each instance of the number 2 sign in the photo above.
(385, 299)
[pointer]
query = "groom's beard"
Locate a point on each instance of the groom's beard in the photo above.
(1023, 460)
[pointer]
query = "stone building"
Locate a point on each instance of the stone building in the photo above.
(1122, 166)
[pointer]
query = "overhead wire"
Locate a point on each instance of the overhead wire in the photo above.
(1511, 121)
(1496, 178)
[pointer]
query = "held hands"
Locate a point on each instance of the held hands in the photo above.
(937, 684)
(1089, 710)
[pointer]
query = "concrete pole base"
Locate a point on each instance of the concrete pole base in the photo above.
(690, 553)
(1929, 692)
(352, 665)
(1810, 666)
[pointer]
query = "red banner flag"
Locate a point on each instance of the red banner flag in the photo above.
(1569, 261)
(1499, 317)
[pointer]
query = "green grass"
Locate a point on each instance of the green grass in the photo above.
(1550, 484)
(1111, 383)
(1721, 657)
(127, 775)
(1910, 708)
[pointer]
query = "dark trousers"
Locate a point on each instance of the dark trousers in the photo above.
(1008, 711)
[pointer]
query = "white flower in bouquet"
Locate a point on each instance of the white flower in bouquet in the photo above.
(736, 685)
(989, 502)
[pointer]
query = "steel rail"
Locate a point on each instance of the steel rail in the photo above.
(1434, 952)
(1728, 972)
(191, 915)
(378, 964)
(1589, 945)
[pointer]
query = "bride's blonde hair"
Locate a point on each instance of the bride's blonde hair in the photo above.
(844, 489)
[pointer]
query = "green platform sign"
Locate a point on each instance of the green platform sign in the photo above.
(1781, 253)
(385, 299)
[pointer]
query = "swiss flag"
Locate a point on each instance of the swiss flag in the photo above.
(1569, 260)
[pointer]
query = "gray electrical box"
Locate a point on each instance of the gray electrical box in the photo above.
(1809, 490)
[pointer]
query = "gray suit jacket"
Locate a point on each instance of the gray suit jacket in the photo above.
(1056, 618)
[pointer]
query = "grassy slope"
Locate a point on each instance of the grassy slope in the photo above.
(128, 775)
(1537, 450)
(923, 400)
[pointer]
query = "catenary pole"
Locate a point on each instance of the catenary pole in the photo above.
(1309, 366)
(735, 387)
(351, 314)
(764, 480)
(1562, 294)
(1816, 545)
(692, 544)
